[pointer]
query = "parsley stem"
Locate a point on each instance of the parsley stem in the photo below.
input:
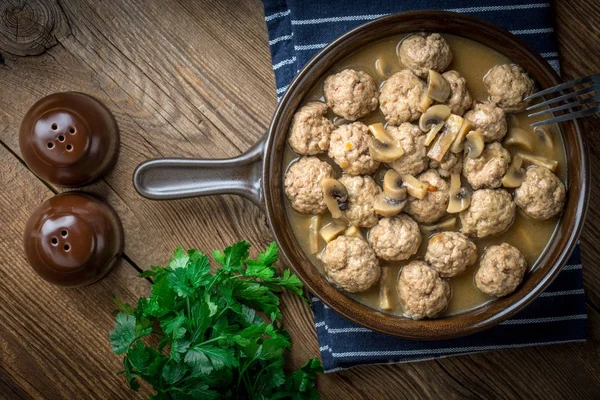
(213, 340)
(256, 379)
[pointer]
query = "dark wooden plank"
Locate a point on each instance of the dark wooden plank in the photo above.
(194, 79)
(578, 32)
(53, 341)
(167, 102)
(9, 389)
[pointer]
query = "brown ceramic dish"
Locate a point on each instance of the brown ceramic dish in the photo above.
(257, 175)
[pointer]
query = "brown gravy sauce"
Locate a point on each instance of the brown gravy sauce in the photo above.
(472, 60)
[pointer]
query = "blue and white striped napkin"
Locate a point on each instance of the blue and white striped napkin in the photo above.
(300, 28)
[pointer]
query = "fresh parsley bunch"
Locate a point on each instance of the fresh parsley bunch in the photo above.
(203, 335)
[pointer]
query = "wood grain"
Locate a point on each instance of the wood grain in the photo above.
(194, 79)
(53, 341)
(28, 28)
(577, 33)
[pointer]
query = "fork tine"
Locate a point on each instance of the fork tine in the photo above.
(565, 106)
(561, 98)
(567, 117)
(562, 86)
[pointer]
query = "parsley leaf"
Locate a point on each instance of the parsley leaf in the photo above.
(270, 255)
(139, 357)
(179, 260)
(233, 256)
(199, 362)
(214, 335)
(124, 333)
(173, 373)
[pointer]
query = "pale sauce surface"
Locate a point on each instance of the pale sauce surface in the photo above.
(472, 60)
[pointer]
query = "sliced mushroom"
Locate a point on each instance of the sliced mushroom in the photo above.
(378, 131)
(414, 187)
(433, 116)
(446, 138)
(543, 133)
(425, 103)
(458, 144)
(460, 196)
(383, 68)
(336, 196)
(515, 175)
(474, 144)
(392, 185)
(339, 121)
(382, 147)
(384, 290)
(520, 137)
(540, 161)
(332, 230)
(354, 231)
(513, 121)
(433, 133)
(385, 152)
(387, 207)
(438, 88)
(447, 224)
(314, 240)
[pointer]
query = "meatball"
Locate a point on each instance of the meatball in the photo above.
(422, 292)
(303, 185)
(412, 139)
(362, 194)
(452, 163)
(419, 53)
(542, 195)
(396, 238)
(400, 96)
(489, 120)
(487, 170)
(433, 206)
(351, 94)
(349, 148)
(450, 253)
(501, 270)
(310, 129)
(351, 264)
(491, 212)
(508, 85)
(460, 99)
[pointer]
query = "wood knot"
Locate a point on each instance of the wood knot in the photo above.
(30, 27)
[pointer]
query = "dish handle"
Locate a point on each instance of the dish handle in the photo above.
(180, 178)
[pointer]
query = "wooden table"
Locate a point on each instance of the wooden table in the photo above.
(193, 79)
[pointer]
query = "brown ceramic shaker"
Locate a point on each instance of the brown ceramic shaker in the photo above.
(73, 239)
(69, 139)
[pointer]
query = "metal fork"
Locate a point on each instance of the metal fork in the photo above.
(579, 107)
